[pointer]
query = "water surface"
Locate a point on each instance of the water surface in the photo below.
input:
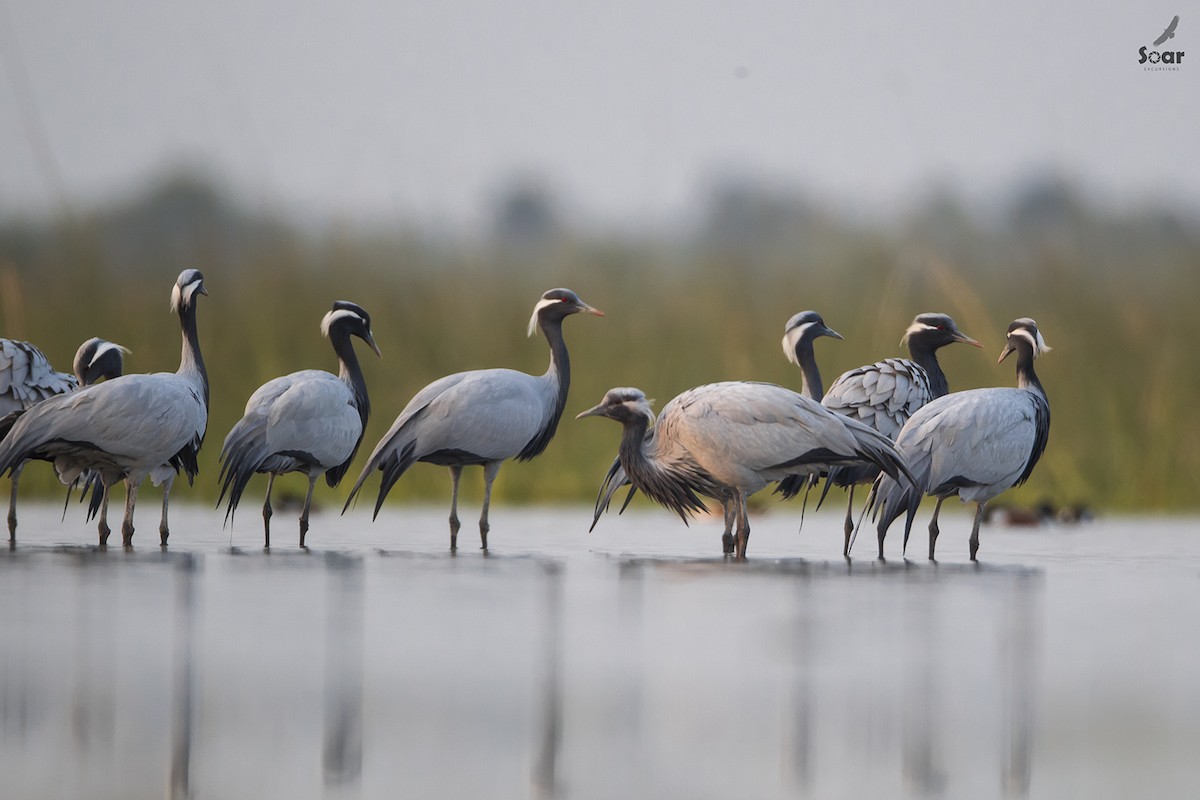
(629, 662)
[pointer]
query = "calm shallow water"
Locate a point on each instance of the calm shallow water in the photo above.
(628, 662)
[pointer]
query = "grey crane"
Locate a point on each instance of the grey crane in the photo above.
(95, 360)
(309, 421)
(884, 395)
(481, 417)
(126, 428)
(728, 440)
(974, 444)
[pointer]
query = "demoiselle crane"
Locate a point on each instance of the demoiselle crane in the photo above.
(309, 421)
(799, 333)
(95, 360)
(974, 444)
(126, 428)
(884, 395)
(481, 417)
(729, 440)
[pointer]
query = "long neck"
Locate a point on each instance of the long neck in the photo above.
(926, 358)
(674, 485)
(191, 362)
(811, 385)
(559, 371)
(631, 450)
(1026, 377)
(350, 372)
(558, 375)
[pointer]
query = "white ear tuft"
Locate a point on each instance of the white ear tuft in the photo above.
(1041, 345)
(533, 320)
(791, 337)
(333, 316)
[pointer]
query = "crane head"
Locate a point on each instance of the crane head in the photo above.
(805, 326)
(556, 305)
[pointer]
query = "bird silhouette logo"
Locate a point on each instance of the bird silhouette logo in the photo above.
(1169, 33)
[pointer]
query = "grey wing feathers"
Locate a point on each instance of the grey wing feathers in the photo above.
(981, 437)
(303, 421)
(976, 443)
(776, 429)
(478, 416)
(245, 445)
(395, 452)
(135, 421)
(26, 376)
(879, 450)
(8, 420)
(882, 395)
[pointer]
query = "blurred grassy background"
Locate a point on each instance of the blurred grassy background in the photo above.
(1114, 293)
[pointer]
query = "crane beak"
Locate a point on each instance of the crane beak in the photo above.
(586, 309)
(1008, 349)
(959, 336)
(371, 343)
(828, 331)
(594, 411)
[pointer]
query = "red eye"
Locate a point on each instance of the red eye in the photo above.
(941, 327)
(563, 299)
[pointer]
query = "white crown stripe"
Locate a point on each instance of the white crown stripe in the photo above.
(333, 316)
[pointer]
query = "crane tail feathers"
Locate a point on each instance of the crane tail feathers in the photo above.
(829, 481)
(628, 498)
(393, 463)
(614, 479)
(241, 457)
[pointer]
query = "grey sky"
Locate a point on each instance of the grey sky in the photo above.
(626, 107)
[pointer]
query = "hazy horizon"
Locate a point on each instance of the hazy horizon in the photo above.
(626, 113)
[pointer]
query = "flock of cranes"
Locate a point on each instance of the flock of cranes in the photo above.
(893, 424)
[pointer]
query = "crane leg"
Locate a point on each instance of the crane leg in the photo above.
(933, 528)
(164, 530)
(727, 537)
(102, 527)
(268, 512)
(975, 529)
(131, 491)
(848, 526)
(455, 475)
(312, 483)
(743, 526)
(12, 503)
(490, 470)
